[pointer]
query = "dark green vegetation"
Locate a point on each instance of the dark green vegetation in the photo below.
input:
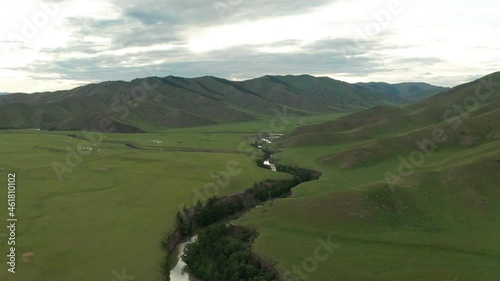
(220, 254)
(409, 193)
(156, 103)
(281, 188)
(224, 255)
(216, 209)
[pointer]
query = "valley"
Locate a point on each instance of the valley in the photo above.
(397, 210)
(96, 204)
(230, 140)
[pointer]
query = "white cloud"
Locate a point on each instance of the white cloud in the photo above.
(443, 42)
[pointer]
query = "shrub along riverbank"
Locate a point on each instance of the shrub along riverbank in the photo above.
(221, 254)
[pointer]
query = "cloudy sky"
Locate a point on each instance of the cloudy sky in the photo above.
(51, 45)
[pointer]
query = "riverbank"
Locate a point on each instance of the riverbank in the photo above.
(230, 207)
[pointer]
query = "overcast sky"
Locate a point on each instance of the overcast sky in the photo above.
(52, 45)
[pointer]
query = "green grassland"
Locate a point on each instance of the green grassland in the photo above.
(115, 207)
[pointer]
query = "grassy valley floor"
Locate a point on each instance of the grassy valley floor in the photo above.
(115, 205)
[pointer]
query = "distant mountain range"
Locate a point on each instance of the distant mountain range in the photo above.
(1, 94)
(408, 91)
(181, 102)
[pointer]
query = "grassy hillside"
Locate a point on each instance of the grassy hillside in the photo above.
(172, 102)
(407, 193)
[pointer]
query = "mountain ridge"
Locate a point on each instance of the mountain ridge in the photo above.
(184, 102)
(408, 90)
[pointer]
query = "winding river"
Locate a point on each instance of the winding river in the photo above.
(179, 271)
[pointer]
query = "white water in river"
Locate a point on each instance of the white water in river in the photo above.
(178, 272)
(268, 163)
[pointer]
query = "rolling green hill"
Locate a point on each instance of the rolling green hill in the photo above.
(152, 103)
(407, 193)
(472, 106)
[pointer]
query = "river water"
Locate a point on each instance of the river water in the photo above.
(178, 273)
